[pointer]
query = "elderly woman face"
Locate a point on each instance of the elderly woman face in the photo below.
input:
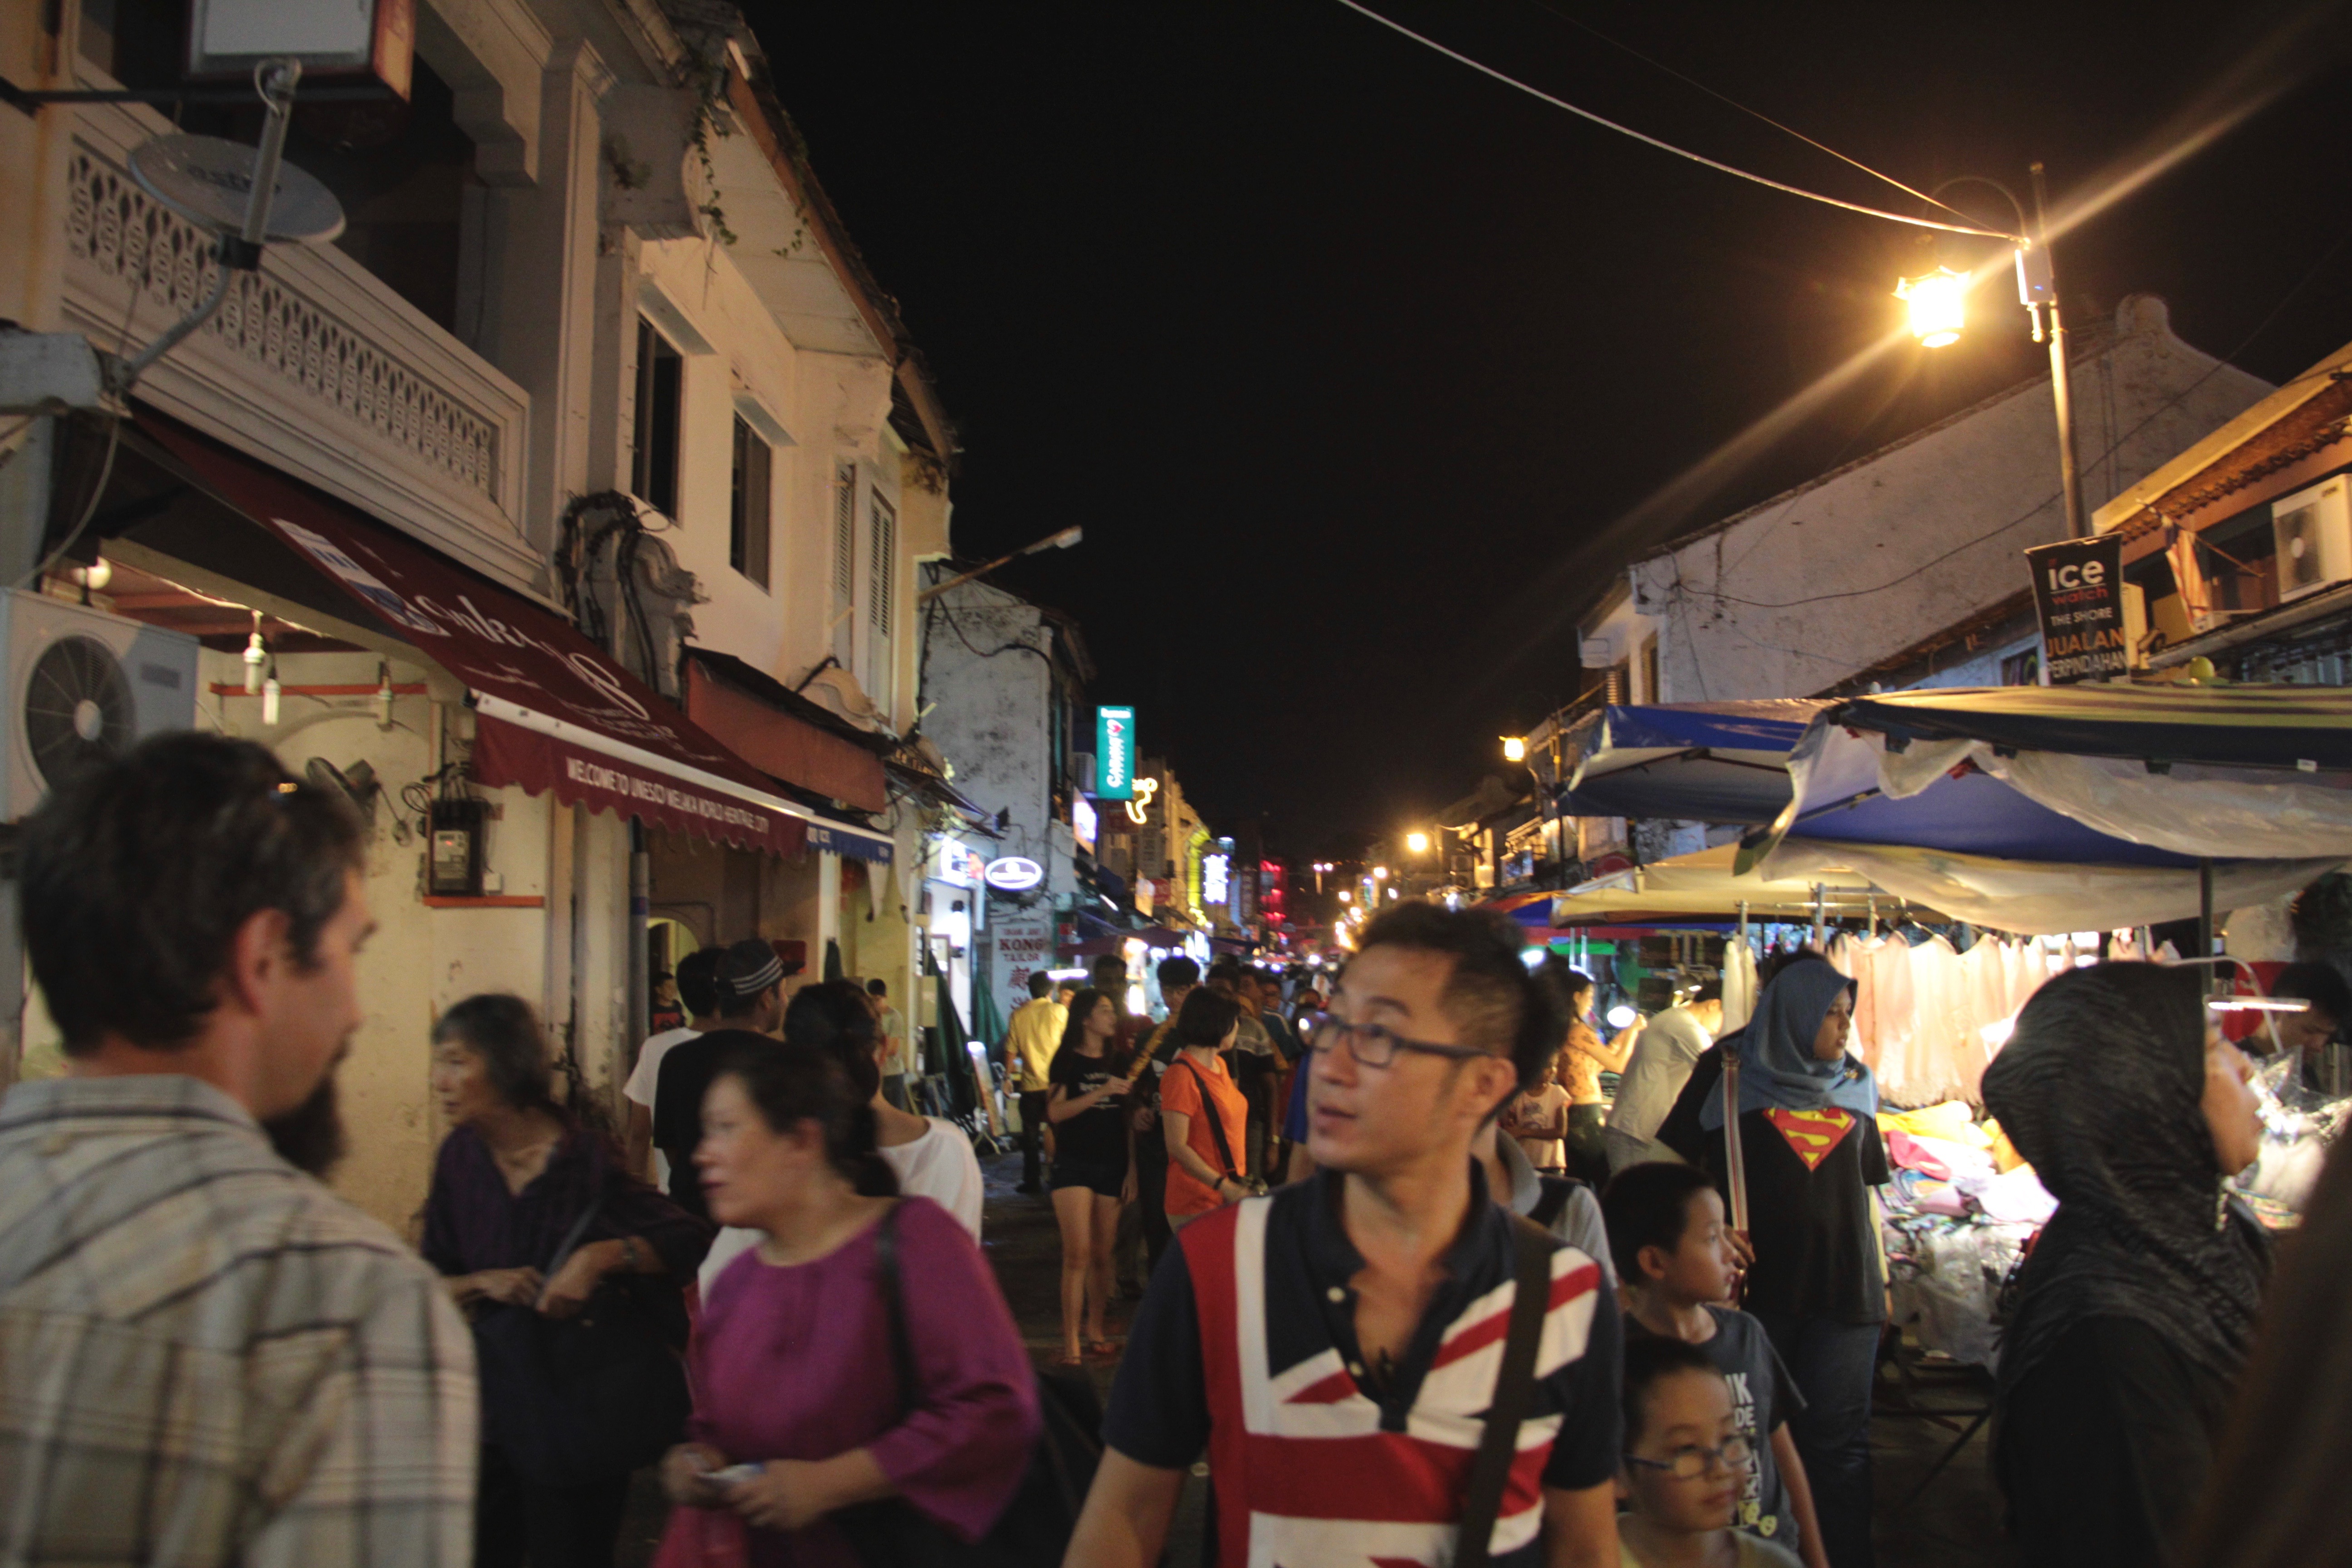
(461, 1082)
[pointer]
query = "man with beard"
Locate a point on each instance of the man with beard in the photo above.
(205, 1356)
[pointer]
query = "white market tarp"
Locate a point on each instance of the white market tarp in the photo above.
(2191, 810)
(2036, 898)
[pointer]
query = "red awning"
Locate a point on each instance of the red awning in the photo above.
(788, 747)
(553, 710)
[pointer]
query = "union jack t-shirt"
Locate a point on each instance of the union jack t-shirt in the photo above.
(1246, 1348)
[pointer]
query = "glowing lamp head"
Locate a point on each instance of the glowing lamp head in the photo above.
(1938, 306)
(1417, 842)
(1514, 748)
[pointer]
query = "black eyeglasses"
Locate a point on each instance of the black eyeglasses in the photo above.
(1691, 1461)
(1375, 1047)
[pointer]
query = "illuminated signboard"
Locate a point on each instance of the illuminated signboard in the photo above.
(1212, 879)
(1115, 753)
(1083, 823)
(1015, 873)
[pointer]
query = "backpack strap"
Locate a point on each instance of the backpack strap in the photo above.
(1216, 1122)
(1514, 1389)
(1557, 1191)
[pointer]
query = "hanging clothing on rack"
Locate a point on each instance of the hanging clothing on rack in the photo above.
(1738, 983)
(1895, 1013)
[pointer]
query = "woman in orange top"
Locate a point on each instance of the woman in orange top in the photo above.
(1581, 1061)
(1203, 1174)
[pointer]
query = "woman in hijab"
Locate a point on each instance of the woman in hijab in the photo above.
(2136, 1304)
(1811, 1153)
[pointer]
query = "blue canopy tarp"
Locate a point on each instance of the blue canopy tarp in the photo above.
(1699, 761)
(1956, 823)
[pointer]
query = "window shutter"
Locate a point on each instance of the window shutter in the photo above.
(845, 535)
(881, 568)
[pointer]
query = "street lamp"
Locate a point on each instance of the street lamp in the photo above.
(1938, 315)
(1062, 541)
(1514, 748)
(1938, 306)
(1379, 873)
(1416, 842)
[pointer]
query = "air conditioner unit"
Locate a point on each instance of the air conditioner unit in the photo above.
(2313, 531)
(83, 686)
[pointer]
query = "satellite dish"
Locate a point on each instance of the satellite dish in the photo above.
(209, 182)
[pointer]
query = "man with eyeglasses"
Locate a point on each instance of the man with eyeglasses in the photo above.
(1334, 1347)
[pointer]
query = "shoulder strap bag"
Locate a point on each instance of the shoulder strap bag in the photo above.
(1217, 1129)
(1515, 1389)
(1036, 1525)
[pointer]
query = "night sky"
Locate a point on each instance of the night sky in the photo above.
(1358, 368)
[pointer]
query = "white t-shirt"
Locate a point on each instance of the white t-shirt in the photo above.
(645, 1076)
(894, 1029)
(939, 1166)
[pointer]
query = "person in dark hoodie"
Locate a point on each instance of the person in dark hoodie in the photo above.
(2135, 1307)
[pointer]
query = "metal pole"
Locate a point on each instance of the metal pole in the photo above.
(1817, 919)
(2061, 394)
(2205, 908)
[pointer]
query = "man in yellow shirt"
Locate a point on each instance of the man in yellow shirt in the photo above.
(1031, 1038)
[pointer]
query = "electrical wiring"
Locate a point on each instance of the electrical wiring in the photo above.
(1584, 25)
(935, 610)
(1606, 123)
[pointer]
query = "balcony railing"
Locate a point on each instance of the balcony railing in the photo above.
(311, 364)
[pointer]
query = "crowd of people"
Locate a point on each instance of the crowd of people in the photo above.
(1407, 1297)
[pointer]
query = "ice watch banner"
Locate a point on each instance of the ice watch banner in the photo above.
(2078, 596)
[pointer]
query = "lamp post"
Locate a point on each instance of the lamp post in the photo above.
(1062, 541)
(1937, 302)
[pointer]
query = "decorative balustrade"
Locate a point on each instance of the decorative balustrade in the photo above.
(311, 363)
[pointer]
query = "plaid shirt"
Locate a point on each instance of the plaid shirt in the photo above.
(206, 1357)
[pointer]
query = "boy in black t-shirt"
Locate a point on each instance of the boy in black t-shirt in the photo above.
(1674, 1264)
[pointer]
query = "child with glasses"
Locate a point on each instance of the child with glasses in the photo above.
(1676, 1270)
(1686, 1465)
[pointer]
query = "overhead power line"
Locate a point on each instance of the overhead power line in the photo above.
(1578, 22)
(1484, 70)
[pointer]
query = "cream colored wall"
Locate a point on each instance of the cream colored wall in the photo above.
(834, 407)
(421, 960)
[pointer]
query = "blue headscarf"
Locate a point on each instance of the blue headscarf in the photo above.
(1775, 1050)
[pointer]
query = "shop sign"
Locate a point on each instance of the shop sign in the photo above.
(955, 864)
(1213, 879)
(1014, 874)
(1083, 822)
(2078, 596)
(1115, 753)
(1024, 944)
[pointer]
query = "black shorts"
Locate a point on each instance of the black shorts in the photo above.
(1106, 1177)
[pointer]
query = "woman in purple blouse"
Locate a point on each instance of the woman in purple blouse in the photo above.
(792, 1365)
